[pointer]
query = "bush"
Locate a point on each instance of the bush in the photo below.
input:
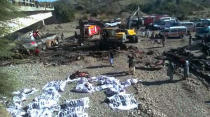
(3, 111)
(5, 48)
(8, 83)
(64, 11)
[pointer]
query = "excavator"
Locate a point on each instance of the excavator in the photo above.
(116, 37)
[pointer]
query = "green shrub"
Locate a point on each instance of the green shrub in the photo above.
(64, 11)
(8, 83)
(5, 48)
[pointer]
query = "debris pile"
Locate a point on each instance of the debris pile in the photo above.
(199, 65)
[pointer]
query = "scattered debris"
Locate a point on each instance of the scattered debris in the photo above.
(198, 65)
(58, 85)
(122, 102)
(79, 74)
(47, 104)
(74, 108)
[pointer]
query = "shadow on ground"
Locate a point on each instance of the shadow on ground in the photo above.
(160, 82)
(116, 74)
(148, 69)
(99, 66)
(154, 47)
(207, 102)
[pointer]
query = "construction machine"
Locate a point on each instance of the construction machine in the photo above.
(112, 38)
(130, 35)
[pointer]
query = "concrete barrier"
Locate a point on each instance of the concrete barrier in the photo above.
(20, 23)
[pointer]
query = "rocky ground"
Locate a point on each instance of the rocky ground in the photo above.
(156, 95)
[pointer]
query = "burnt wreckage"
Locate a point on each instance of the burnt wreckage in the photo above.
(199, 65)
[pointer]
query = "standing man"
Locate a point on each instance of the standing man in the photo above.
(190, 39)
(186, 69)
(111, 58)
(163, 40)
(62, 36)
(170, 71)
(131, 64)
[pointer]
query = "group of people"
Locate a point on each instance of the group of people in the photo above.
(131, 62)
(172, 68)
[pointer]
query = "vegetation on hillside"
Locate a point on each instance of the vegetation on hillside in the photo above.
(178, 8)
(64, 11)
(7, 84)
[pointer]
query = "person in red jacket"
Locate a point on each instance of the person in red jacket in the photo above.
(36, 51)
(36, 34)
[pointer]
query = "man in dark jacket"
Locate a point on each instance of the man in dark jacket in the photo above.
(170, 71)
(111, 58)
(131, 64)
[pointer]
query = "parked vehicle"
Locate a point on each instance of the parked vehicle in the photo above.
(203, 23)
(202, 32)
(162, 24)
(113, 23)
(175, 31)
(190, 25)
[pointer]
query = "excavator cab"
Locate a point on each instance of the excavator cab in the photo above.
(131, 35)
(114, 35)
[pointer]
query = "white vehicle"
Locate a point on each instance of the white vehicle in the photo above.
(175, 31)
(113, 23)
(190, 25)
(166, 23)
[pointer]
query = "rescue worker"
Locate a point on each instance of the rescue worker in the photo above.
(186, 69)
(170, 71)
(62, 36)
(36, 51)
(36, 34)
(190, 38)
(31, 36)
(163, 40)
(131, 64)
(111, 58)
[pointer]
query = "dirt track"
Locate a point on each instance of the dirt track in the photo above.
(156, 95)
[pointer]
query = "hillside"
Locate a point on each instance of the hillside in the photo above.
(182, 9)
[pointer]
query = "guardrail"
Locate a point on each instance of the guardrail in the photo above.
(29, 8)
(23, 22)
